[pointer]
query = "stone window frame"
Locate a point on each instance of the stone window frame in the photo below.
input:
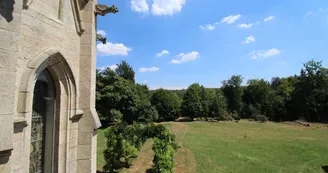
(66, 104)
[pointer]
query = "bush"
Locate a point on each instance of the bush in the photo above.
(236, 117)
(163, 158)
(260, 118)
(164, 148)
(124, 142)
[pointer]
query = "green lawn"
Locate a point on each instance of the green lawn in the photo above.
(255, 147)
(101, 144)
(246, 147)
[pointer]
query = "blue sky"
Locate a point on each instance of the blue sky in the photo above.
(208, 41)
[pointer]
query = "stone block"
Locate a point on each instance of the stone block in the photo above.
(84, 152)
(73, 142)
(25, 102)
(6, 102)
(84, 166)
(12, 38)
(86, 39)
(85, 78)
(88, 17)
(8, 81)
(62, 137)
(75, 132)
(6, 132)
(86, 50)
(85, 138)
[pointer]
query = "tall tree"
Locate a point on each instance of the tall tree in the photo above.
(125, 71)
(311, 93)
(205, 101)
(191, 104)
(256, 98)
(167, 104)
(233, 92)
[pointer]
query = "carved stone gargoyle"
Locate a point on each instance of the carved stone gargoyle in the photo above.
(101, 38)
(102, 10)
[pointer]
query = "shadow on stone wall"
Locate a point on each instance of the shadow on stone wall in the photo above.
(7, 9)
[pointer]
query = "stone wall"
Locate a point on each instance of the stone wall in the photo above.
(46, 35)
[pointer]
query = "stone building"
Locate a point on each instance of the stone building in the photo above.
(48, 119)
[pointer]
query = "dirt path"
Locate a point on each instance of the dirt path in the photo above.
(184, 158)
(144, 160)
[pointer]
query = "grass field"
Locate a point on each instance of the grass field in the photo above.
(242, 147)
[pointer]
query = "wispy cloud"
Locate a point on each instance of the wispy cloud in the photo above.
(245, 25)
(163, 52)
(283, 62)
(102, 32)
(268, 19)
(184, 58)
(230, 19)
(111, 49)
(112, 67)
(208, 27)
(308, 14)
(166, 7)
(249, 39)
(157, 7)
(140, 6)
(262, 54)
(151, 69)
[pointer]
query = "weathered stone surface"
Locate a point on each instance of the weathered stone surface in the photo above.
(44, 36)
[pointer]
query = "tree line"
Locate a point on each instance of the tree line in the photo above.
(302, 96)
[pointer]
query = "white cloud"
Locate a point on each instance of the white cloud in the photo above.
(249, 39)
(112, 67)
(262, 54)
(308, 14)
(163, 52)
(145, 81)
(268, 19)
(102, 32)
(244, 25)
(140, 6)
(151, 69)
(183, 58)
(230, 19)
(166, 7)
(208, 27)
(157, 7)
(111, 49)
(283, 62)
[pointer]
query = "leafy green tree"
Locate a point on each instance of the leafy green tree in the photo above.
(191, 104)
(311, 93)
(125, 71)
(120, 99)
(205, 102)
(233, 92)
(256, 98)
(167, 104)
(218, 104)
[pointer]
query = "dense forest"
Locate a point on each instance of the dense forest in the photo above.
(302, 96)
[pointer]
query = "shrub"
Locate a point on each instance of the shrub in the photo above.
(236, 117)
(124, 142)
(122, 145)
(260, 118)
(163, 158)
